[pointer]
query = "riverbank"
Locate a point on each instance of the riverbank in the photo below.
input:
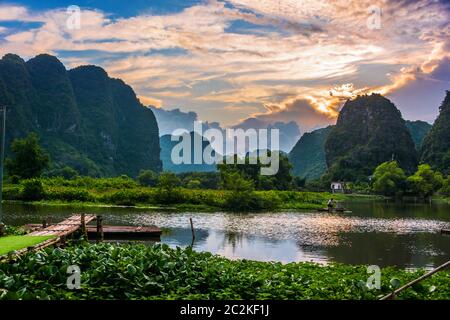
(126, 192)
(158, 272)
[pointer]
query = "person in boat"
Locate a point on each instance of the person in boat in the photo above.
(330, 205)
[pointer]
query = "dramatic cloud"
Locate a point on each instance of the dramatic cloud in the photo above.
(273, 60)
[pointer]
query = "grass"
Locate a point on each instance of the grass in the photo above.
(13, 243)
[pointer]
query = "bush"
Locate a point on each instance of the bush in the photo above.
(164, 196)
(65, 172)
(127, 197)
(14, 179)
(446, 187)
(32, 190)
(147, 178)
(12, 193)
(69, 194)
(194, 184)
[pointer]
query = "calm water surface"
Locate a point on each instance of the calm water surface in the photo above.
(403, 235)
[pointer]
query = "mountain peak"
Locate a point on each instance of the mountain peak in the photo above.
(13, 57)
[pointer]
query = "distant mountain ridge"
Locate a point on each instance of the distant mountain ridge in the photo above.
(308, 155)
(85, 119)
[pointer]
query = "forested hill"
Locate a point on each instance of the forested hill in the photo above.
(85, 119)
(436, 145)
(369, 131)
(308, 155)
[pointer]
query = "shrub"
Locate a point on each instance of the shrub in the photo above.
(32, 190)
(446, 187)
(147, 178)
(164, 196)
(127, 197)
(69, 194)
(194, 184)
(65, 172)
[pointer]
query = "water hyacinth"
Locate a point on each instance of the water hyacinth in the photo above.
(110, 271)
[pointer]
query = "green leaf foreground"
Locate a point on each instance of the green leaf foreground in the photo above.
(159, 272)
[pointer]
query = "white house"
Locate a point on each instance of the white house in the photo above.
(337, 187)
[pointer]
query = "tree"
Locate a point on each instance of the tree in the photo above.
(29, 159)
(147, 178)
(425, 182)
(282, 180)
(446, 186)
(65, 172)
(389, 179)
(241, 196)
(194, 184)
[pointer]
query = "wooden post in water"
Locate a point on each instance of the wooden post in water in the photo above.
(63, 241)
(44, 224)
(49, 221)
(83, 226)
(100, 235)
(192, 230)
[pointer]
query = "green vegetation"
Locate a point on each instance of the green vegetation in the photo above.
(436, 145)
(29, 158)
(13, 243)
(147, 178)
(250, 169)
(125, 191)
(369, 131)
(85, 119)
(425, 182)
(308, 155)
(389, 179)
(446, 187)
(158, 272)
(419, 130)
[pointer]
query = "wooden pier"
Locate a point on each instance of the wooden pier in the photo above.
(79, 222)
(94, 232)
(65, 228)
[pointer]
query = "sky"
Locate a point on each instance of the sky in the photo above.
(231, 61)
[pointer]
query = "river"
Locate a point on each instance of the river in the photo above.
(384, 234)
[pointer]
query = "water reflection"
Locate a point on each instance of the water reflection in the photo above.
(374, 233)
